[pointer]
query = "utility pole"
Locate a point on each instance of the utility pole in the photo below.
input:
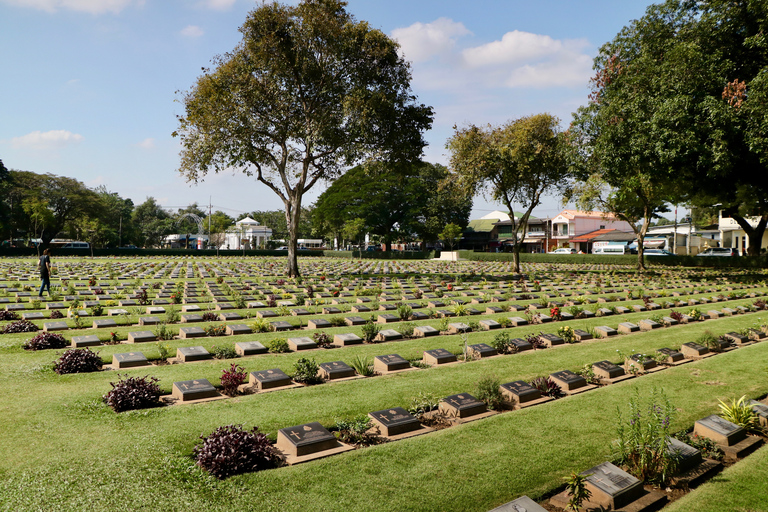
(674, 237)
(120, 239)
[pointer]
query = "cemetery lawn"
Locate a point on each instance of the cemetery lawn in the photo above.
(63, 449)
(741, 487)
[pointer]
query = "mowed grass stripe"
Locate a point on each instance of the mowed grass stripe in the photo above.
(64, 451)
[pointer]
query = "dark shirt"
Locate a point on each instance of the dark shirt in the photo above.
(45, 260)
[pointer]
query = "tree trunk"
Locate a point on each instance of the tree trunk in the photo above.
(755, 234)
(292, 216)
(516, 255)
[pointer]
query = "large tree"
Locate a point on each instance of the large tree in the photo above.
(396, 204)
(515, 164)
(47, 203)
(679, 107)
(308, 92)
(152, 223)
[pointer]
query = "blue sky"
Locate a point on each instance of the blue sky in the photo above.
(88, 87)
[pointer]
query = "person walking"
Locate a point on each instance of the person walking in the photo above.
(45, 271)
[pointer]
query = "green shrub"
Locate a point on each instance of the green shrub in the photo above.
(370, 330)
(230, 450)
(223, 352)
(642, 444)
(278, 346)
(305, 371)
(488, 390)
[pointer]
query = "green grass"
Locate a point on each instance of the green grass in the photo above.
(64, 450)
(740, 488)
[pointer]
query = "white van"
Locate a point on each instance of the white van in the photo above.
(610, 249)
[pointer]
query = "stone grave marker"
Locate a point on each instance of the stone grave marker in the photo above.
(187, 354)
(645, 363)
(390, 363)
(336, 370)
(301, 343)
(438, 356)
(197, 389)
(568, 380)
(669, 321)
(190, 318)
(116, 312)
(628, 327)
(191, 332)
(521, 504)
(129, 360)
(249, 348)
(104, 323)
(141, 336)
(462, 405)
(621, 310)
(489, 324)
(605, 331)
(712, 314)
(388, 335)
(354, 320)
(149, 320)
(418, 315)
(387, 318)
(15, 307)
(267, 313)
(32, 316)
(481, 350)
(235, 329)
(423, 331)
(687, 456)
(648, 325)
(521, 344)
(491, 310)
(520, 392)
(269, 379)
(318, 323)
(611, 486)
(761, 410)
(395, 421)
(693, 350)
(55, 305)
(341, 340)
(90, 340)
(607, 370)
(228, 317)
(458, 327)
(305, 439)
(55, 326)
(300, 312)
(673, 356)
(221, 306)
(581, 335)
(719, 430)
(738, 339)
(551, 340)
(281, 325)
(518, 321)
(331, 311)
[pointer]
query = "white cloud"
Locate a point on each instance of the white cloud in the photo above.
(218, 5)
(574, 71)
(192, 31)
(90, 6)
(514, 46)
(421, 42)
(46, 140)
(147, 143)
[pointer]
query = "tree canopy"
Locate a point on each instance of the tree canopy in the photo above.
(403, 204)
(678, 112)
(308, 92)
(516, 163)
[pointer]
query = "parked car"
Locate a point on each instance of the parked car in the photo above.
(563, 250)
(657, 252)
(282, 248)
(719, 251)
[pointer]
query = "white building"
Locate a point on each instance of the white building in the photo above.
(246, 234)
(732, 235)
